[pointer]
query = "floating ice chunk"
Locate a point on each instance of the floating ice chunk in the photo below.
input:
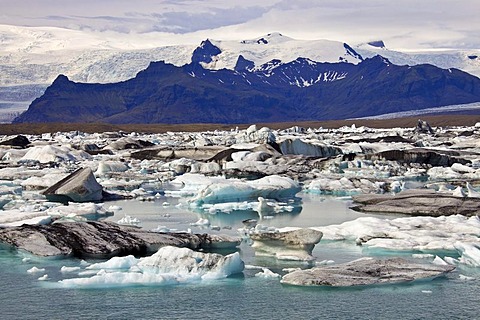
(308, 147)
(43, 182)
(288, 245)
(169, 265)
(324, 262)
(105, 167)
(43, 278)
(422, 255)
(24, 213)
(66, 269)
(238, 156)
(460, 168)
(273, 187)
(451, 260)
(365, 271)
(191, 183)
(228, 207)
(163, 229)
(397, 186)
(452, 233)
(39, 220)
(465, 278)
(202, 167)
(472, 193)
(340, 187)
(49, 153)
(201, 222)
(129, 221)
(267, 274)
(115, 263)
(13, 155)
(343, 186)
(458, 192)
(35, 270)
(439, 261)
(252, 267)
(443, 173)
(78, 209)
(470, 254)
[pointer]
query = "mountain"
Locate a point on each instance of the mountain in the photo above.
(38, 55)
(32, 57)
(275, 91)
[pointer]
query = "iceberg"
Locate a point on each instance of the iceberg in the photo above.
(470, 253)
(343, 186)
(169, 265)
(50, 153)
(107, 167)
(456, 233)
(365, 271)
(79, 186)
(35, 270)
(270, 187)
(287, 245)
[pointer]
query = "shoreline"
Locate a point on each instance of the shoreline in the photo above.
(407, 122)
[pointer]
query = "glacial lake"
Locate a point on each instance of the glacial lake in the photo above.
(241, 297)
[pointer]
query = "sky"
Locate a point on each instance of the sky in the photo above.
(401, 24)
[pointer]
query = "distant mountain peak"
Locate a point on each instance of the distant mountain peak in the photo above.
(244, 64)
(350, 51)
(205, 52)
(377, 60)
(377, 44)
(274, 37)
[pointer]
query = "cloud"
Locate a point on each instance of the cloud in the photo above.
(184, 22)
(400, 23)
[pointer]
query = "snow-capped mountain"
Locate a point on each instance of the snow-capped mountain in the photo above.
(39, 55)
(31, 58)
(302, 89)
(465, 60)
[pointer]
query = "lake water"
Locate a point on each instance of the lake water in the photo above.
(241, 297)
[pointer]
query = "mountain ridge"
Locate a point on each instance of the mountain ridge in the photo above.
(299, 90)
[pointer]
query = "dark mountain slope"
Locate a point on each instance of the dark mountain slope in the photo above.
(274, 92)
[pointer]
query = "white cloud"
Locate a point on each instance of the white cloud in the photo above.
(401, 23)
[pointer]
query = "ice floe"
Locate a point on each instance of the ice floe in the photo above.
(457, 235)
(366, 271)
(169, 265)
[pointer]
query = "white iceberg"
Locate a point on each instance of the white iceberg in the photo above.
(343, 186)
(169, 265)
(129, 221)
(50, 153)
(35, 270)
(470, 253)
(267, 274)
(454, 233)
(271, 187)
(105, 167)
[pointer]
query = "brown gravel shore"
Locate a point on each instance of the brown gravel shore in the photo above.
(434, 120)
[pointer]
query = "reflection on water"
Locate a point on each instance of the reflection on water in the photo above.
(307, 211)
